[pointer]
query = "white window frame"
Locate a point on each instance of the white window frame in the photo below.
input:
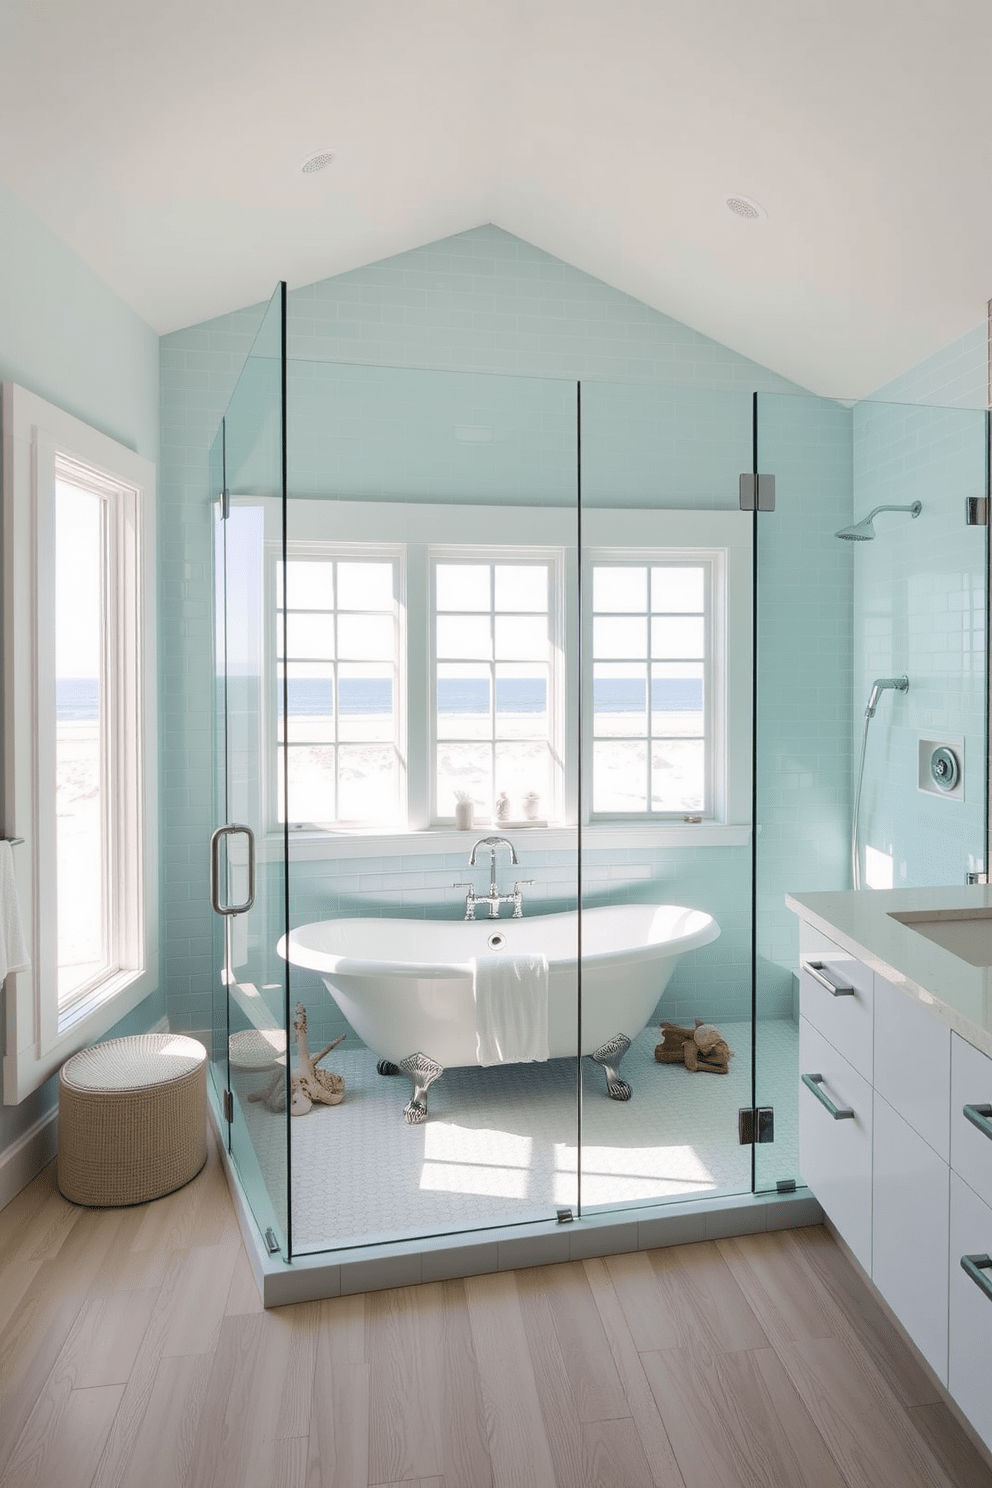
(483, 530)
(326, 551)
(519, 553)
(40, 1035)
(721, 539)
(713, 563)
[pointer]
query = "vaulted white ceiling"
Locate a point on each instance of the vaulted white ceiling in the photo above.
(161, 142)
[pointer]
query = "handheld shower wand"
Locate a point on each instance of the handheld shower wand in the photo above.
(899, 684)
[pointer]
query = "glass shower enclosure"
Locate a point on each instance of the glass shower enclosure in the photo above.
(533, 701)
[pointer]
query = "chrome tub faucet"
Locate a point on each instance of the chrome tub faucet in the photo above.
(494, 898)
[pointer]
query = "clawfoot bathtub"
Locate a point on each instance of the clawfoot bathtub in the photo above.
(406, 987)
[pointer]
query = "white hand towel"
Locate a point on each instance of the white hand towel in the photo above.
(511, 1008)
(13, 947)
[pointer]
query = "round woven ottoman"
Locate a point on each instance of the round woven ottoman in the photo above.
(132, 1119)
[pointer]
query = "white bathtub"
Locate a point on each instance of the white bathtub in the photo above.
(404, 987)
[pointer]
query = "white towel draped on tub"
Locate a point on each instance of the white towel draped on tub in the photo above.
(511, 1008)
(13, 947)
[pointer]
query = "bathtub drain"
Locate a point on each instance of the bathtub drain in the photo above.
(496, 942)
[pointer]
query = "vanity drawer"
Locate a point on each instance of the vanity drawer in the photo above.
(971, 1144)
(969, 1363)
(835, 1154)
(913, 1064)
(836, 996)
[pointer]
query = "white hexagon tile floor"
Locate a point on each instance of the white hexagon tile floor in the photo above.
(499, 1145)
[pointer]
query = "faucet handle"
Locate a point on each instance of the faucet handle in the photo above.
(523, 883)
(464, 886)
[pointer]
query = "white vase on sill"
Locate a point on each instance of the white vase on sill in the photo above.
(464, 815)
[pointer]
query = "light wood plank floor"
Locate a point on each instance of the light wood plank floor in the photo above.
(134, 1351)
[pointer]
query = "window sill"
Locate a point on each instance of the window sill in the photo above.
(326, 846)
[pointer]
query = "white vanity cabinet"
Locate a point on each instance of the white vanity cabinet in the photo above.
(970, 1342)
(910, 1175)
(969, 1373)
(909, 1231)
(835, 1122)
(926, 1178)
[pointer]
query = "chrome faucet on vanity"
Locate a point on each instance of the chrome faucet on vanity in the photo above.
(494, 898)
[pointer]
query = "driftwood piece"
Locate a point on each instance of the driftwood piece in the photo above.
(308, 1085)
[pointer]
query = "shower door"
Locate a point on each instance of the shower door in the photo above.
(667, 789)
(248, 860)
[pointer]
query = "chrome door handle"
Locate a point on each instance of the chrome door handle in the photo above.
(215, 841)
(839, 1113)
(836, 989)
(976, 1266)
(980, 1116)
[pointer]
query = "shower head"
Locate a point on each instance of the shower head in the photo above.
(863, 531)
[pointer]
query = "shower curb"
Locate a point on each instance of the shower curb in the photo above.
(339, 1273)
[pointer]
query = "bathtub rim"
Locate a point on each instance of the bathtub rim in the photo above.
(327, 963)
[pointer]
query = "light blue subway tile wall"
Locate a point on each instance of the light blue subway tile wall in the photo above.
(66, 336)
(920, 610)
(409, 434)
(956, 376)
(488, 303)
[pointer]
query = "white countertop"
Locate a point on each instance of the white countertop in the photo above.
(861, 922)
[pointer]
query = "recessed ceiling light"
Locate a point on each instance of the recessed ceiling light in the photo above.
(744, 206)
(318, 161)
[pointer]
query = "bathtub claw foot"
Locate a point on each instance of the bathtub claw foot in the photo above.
(609, 1056)
(423, 1072)
(387, 1067)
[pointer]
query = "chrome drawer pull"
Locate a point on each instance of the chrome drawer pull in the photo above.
(980, 1116)
(839, 1113)
(836, 989)
(975, 1266)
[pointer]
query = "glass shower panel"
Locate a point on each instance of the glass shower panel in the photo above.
(804, 700)
(249, 854)
(430, 749)
(833, 616)
(666, 821)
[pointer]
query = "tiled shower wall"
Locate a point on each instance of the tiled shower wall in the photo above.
(486, 302)
(920, 610)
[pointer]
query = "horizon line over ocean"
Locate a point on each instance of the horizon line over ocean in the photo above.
(77, 698)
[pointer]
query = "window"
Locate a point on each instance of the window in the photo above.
(79, 731)
(652, 656)
(339, 621)
(493, 737)
(418, 671)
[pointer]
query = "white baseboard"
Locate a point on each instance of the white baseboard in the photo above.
(25, 1158)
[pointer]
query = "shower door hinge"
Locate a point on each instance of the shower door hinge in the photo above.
(228, 1107)
(757, 493)
(755, 1124)
(565, 1216)
(976, 878)
(976, 511)
(225, 504)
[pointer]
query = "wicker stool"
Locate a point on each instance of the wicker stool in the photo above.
(132, 1119)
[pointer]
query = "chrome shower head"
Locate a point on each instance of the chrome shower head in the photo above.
(864, 531)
